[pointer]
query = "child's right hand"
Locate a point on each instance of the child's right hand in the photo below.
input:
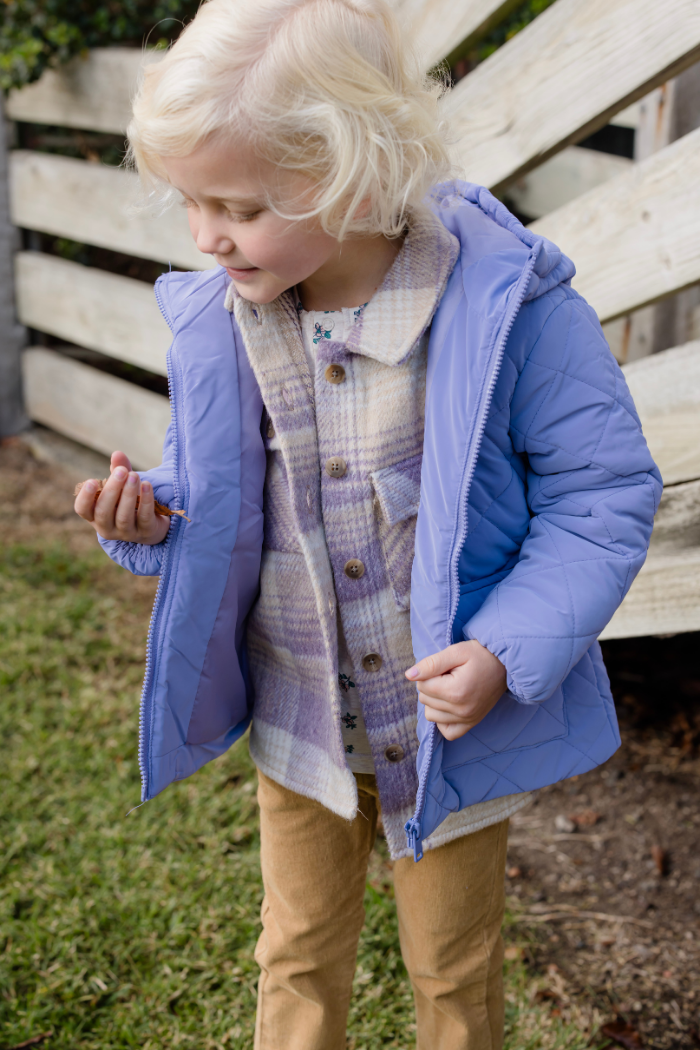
(113, 514)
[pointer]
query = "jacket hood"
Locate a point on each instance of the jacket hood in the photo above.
(484, 226)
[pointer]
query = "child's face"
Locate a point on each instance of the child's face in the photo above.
(225, 188)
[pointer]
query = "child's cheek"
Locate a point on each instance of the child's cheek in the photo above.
(267, 252)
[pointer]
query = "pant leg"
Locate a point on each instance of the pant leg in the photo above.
(314, 867)
(450, 909)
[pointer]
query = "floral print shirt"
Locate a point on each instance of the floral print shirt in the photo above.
(315, 326)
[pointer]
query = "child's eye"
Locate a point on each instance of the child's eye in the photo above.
(187, 202)
(244, 218)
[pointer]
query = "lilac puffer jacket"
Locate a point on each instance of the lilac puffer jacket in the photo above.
(538, 494)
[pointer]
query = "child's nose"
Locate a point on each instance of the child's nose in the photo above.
(211, 239)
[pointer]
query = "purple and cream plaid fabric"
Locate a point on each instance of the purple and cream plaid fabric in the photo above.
(315, 523)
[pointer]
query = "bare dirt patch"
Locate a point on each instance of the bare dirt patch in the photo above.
(36, 498)
(606, 866)
(36, 507)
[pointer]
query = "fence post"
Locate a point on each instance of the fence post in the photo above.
(12, 334)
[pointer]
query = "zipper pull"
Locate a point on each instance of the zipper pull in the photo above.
(413, 838)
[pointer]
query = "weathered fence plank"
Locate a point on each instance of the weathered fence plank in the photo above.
(629, 117)
(89, 307)
(666, 392)
(97, 204)
(563, 178)
(564, 76)
(635, 238)
(443, 29)
(92, 91)
(665, 597)
(97, 409)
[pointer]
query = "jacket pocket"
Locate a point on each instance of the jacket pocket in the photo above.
(397, 497)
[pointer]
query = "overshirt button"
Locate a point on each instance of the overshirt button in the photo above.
(270, 429)
(354, 568)
(336, 466)
(335, 374)
(394, 753)
(372, 662)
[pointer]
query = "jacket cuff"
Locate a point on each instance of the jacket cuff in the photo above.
(141, 559)
(493, 641)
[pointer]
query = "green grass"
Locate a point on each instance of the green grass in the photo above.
(137, 930)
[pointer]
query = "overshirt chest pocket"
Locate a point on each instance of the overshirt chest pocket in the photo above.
(397, 497)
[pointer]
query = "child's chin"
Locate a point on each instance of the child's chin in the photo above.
(261, 295)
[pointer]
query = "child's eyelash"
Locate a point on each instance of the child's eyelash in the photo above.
(244, 218)
(185, 202)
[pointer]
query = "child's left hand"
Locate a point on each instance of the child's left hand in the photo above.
(459, 686)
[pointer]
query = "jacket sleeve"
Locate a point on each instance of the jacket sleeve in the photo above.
(145, 559)
(592, 490)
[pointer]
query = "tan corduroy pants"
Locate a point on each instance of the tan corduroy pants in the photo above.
(450, 909)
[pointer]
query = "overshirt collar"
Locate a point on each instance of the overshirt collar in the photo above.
(401, 309)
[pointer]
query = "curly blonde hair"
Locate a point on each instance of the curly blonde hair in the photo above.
(328, 89)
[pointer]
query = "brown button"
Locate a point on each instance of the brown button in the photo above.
(336, 466)
(354, 568)
(270, 429)
(394, 753)
(372, 662)
(335, 374)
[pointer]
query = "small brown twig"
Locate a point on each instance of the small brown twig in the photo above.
(564, 911)
(34, 1041)
(160, 508)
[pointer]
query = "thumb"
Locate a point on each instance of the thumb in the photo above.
(119, 459)
(438, 663)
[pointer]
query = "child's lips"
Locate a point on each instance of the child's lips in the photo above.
(242, 274)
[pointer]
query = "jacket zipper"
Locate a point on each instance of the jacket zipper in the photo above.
(146, 707)
(413, 826)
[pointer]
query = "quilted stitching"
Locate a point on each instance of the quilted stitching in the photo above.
(531, 434)
(584, 467)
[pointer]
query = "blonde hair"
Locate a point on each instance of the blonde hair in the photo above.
(328, 89)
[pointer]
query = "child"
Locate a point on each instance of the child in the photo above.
(383, 364)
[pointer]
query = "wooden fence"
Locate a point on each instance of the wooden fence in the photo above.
(633, 230)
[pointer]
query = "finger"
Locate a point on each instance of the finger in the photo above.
(146, 512)
(439, 663)
(454, 687)
(84, 504)
(119, 459)
(434, 714)
(451, 728)
(109, 497)
(439, 703)
(125, 515)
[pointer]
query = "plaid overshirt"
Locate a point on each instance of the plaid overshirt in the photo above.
(316, 523)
